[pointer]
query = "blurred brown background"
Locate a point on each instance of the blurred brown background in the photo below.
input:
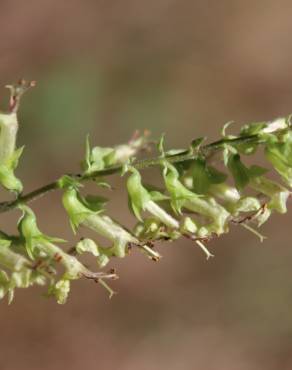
(179, 67)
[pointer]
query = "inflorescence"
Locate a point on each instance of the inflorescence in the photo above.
(206, 188)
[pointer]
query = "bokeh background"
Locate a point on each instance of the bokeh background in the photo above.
(184, 68)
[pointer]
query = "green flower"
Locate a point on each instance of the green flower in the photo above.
(277, 193)
(278, 151)
(9, 156)
(202, 177)
(242, 174)
(233, 201)
(225, 192)
(99, 158)
(81, 214)
(203, 205)
(140, 199)
(89, 246)
(11, 260)
(152, 229)
(38, 245)
(22, 275)
(60, 290)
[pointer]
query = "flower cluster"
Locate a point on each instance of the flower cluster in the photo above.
(200, 196)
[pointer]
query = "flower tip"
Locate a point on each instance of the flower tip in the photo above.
(16, 92)
(26, 84)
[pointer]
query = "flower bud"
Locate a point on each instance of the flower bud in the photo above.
(152, 229)
(99, 158)
(9, 155)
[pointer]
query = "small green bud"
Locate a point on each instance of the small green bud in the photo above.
(99, 158)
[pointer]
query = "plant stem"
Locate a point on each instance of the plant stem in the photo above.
(187, 155)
